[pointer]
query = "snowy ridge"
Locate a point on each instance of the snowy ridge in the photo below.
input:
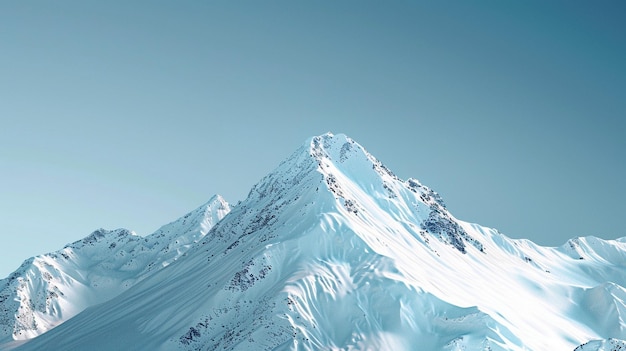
(49, 289)
(332, 251)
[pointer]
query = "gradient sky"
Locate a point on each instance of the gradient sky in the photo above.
(131, 113)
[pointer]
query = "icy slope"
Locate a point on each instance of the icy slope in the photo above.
(332, 251)
(49, 289)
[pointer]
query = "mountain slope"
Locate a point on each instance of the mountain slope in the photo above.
(49, 289)
(333, 251)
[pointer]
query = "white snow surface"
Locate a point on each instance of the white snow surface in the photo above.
(49, 289)
(330, 251)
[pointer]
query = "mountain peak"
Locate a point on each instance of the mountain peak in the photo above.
(361, 186)
(332, 235)
(337, 148)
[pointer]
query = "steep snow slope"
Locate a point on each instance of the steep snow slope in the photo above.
(333, 251)
(49, 289)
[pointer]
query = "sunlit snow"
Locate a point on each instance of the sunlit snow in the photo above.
(330, 251)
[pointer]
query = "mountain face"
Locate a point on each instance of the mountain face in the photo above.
(49, 289)
(330, 251)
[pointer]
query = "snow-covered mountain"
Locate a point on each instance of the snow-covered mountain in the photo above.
(332, 251)
(49, 289)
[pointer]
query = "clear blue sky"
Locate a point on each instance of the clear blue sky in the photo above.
(131, 113)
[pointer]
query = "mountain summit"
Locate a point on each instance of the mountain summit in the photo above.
(332, 251)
